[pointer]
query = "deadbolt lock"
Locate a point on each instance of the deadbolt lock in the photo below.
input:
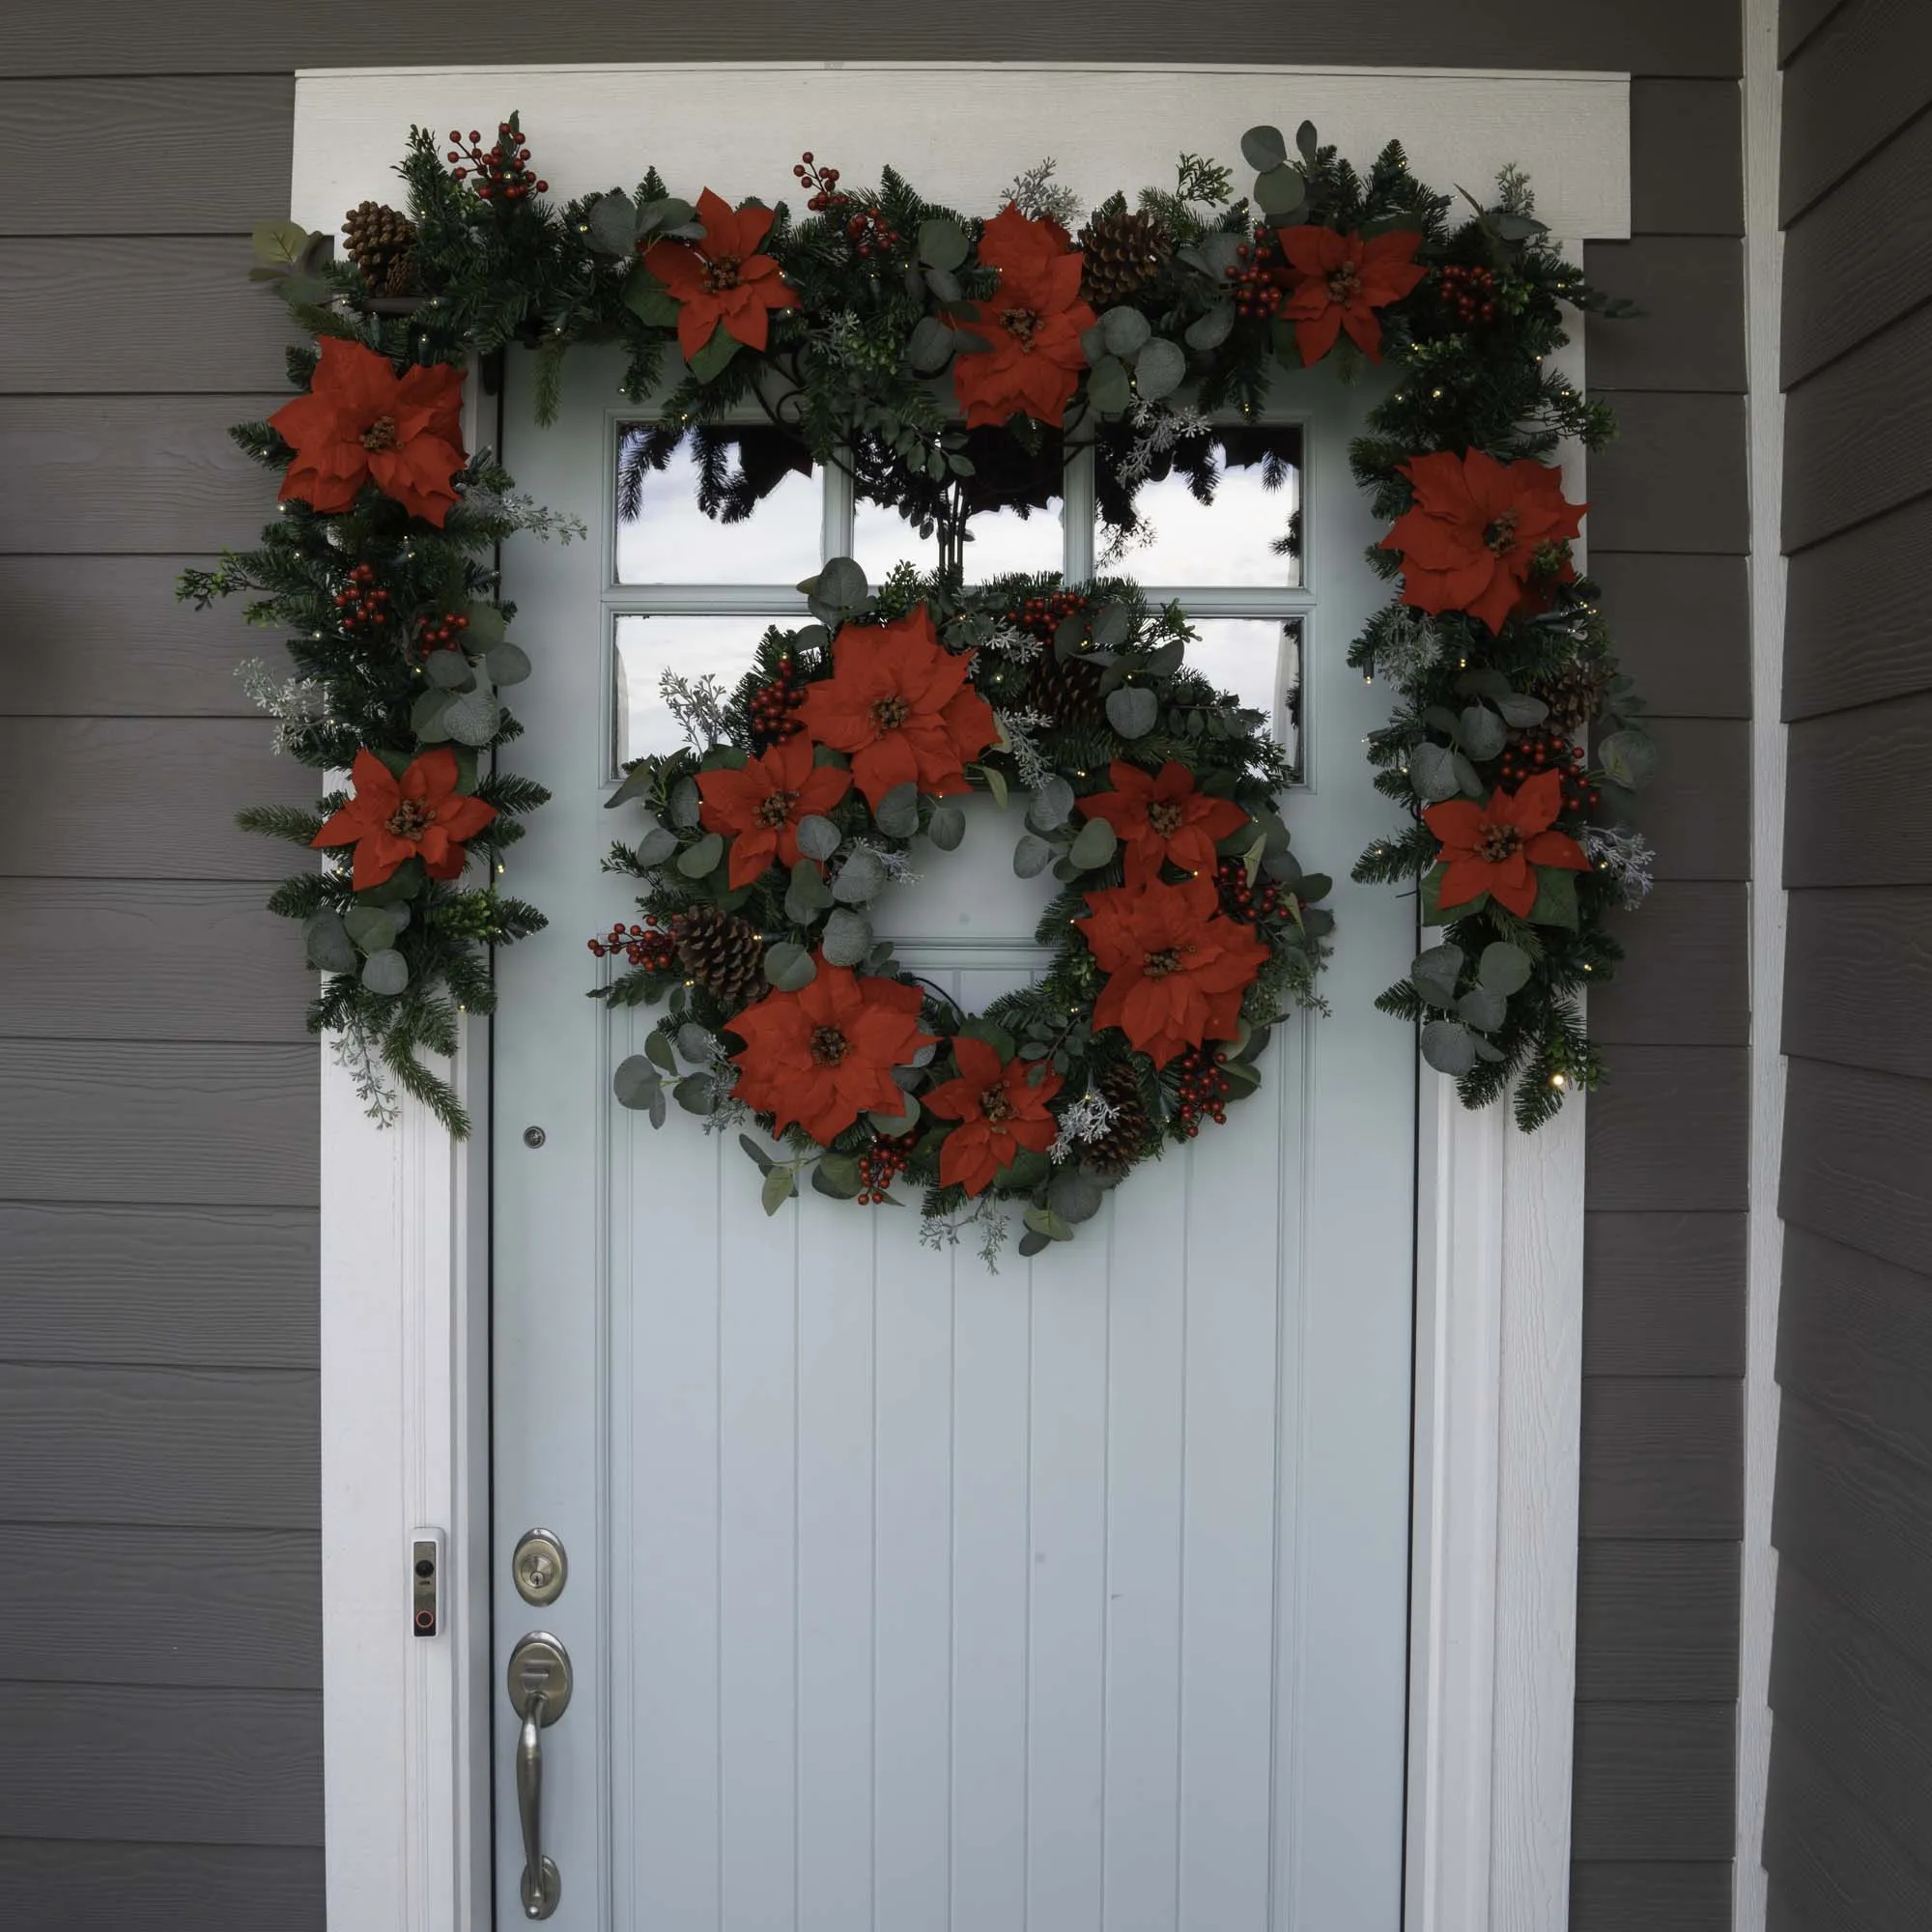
(539, 1568)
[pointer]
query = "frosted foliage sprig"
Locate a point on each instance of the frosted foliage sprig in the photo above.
(522, 512)
(296, 704)
(1159, 428)
(896, 867)
(1028, 759)
(988, 1221)
(1008, 641)
(1085, 1121)
(1040, 198)
(697, 704)
(1624, 857)
(1410, 647)
(356, 1054)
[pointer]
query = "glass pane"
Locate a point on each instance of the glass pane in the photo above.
(1002, 518)
(1256, 506)
(769, 522)
(1258, 659)
(689, 647)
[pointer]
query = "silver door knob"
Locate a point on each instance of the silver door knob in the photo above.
(540, 1685)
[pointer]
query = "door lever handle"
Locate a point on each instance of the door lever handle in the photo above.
(540, 1684)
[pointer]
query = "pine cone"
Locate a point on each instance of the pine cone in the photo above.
(1065, 691)
(722, 954)
(377, 237)
(404, 275)
(1574, 695)
(1126, 1137)
(1123, 251)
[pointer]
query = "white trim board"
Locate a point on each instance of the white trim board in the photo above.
(1499, 1252)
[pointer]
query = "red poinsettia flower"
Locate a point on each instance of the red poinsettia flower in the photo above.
(419, 815)
(825, 1055)
(721, 281)
(1479, 531)
(362, 423)
(758, 807)
(1000, 1110)
(1176, 965)
(1032, 325)
(897, 701)
(1339, 282)
(1495, 847)
(1160, 816)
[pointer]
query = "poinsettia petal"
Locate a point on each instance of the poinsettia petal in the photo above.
(1463, 880)
(1556, 848)
(1315, 337)
(1456, 821)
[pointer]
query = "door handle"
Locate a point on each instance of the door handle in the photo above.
(540, 1684)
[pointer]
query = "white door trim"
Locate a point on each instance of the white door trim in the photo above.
(405, 1288)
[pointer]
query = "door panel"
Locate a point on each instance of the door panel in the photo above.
(910, 1595)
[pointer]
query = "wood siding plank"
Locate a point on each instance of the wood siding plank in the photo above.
(1857, 436)
(1850, 1513)
(1855, 1339)
(1674, 478)
(1667, 1131)
(213, 965)
(217, 1287)
(1857, 979)
(1683, 628)
(1851, 815)
(147, 153)
(1653, 1782)
(1854, 1166)
(1684, 982)
(197, 326)
(1697, 812)
(1859, 79)
(1651, 1897)
(63, 1887)
(1692, 332)
(228, 1125)
(1687, 147)
(1834, 1869)
(1661, 1460)
(1664, 1295)
(158, 802)
(151, 474)
(185, 1448)
(1856, 624)
(1657, 1622)
(107, 1761)
(190, 1607)
(1798, 20)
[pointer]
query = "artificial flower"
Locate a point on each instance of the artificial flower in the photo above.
(999, 1107)
(362, 423)
(897, 702)
(824, 1055)
(723, 282)
(1495, 847)
(419, 815)
(1030, 323)
(1339, 282)
(1479, 531)
(1160, 816)
(758, 806)
(1176, 965)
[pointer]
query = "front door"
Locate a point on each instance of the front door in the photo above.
(903, 1594)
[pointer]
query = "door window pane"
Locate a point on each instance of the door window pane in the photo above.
(691, 648)
(1258, 661)
(1009, 509)
(764, 477)
(1249, 535)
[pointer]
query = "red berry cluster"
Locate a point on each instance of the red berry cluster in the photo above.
(1544, 749)
(772, 704)
(1203, 1089)
(650, 947)
(871, 234)
(1044, 616)
(364, 602)
(442, 633)
(1264, 899)
(502, 172)
(1470, 292)
(1255, 274)
(826, 194)
(882, 1164)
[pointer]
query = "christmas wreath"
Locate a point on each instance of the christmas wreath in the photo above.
(946, 362)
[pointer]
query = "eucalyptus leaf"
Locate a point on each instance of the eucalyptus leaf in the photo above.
(1107, 387)
(1280, 192)
(1123, 330)
(996, 785)
(1045, 1221)
(1052, 803)
(781, 1184)
(1467, 780)
(942, 243)
(375, 928)
(1113, 626)
(507, 664)
(1211, 330)
(896, 814)
(840, 588)
(1522, 710)
(1031, 1243)
(836, 1175)
(818, 838)
(1160, 370)
(1306, 143)
(636, 1082)
(1483, 1008)
(946, 827)
(1628, 757)
(694, 862)
(1262, 148)
(656, 846)
(931, 345)
(449, 670)
(1434, 974)
(473, 718)
(1132, 710)
(687, 804)
(860, 879)
(635, 784)
(807, 895)
(612, 222)
(696, 1044)
(1094, 846)
(1504, 968)
(759, 1159)
(328, 943)
(386, 973)
(426, 716)
(895, 1125)
(1032, 856)
(1449, 1047)
(788, 966)
(1432, 771)
(1074, 1195)
(1481, 732)
(697, 1093)
(848, 937)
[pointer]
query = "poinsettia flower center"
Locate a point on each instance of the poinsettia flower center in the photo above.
(720, 272)
(997, 1105)
(409, 820)
(1166, 817)
(1021, 323)
(889, 714)
(1158, 965)
(777, 808)
(1345, 283)
(1500, 536)
(1495, 843)
(381, 434)
(829, 1047)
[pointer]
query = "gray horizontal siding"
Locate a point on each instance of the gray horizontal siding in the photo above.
(60, 1886)
(1854, 615)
